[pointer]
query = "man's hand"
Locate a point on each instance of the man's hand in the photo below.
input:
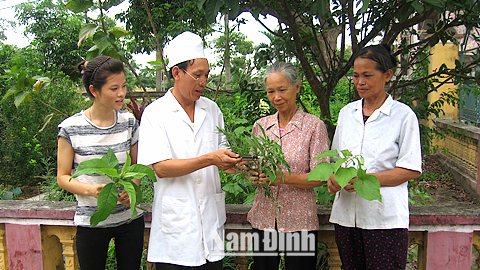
(225, 159)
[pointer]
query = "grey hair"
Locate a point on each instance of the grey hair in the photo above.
(288, 70)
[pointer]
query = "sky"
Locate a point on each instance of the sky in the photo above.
(251, 29)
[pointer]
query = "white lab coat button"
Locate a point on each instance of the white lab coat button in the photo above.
(200, 201)
(198, 181)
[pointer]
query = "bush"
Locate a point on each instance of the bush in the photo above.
(25, 141)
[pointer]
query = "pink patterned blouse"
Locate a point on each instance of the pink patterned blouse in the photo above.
(304, 138)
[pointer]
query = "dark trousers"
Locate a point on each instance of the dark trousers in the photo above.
(92, 245)
(208, 266)
(362, 249)
(294, 259)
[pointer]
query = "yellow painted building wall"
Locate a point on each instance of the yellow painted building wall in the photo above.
(443, 54)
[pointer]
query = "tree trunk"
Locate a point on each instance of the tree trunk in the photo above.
(228, 76)
(159, 72)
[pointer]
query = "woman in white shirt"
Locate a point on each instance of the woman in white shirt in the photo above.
(373, 234)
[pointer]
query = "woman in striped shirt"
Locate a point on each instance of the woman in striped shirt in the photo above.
(88, 135)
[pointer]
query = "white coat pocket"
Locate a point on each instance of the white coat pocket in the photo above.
(220, 202)
(209, 142)
(176, 215)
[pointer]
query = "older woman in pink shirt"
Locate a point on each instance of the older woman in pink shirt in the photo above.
(302, 137)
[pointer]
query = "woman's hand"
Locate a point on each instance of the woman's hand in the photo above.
(95, 189)
(333, 186)
(124, 199)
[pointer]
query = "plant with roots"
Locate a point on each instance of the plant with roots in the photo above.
(121, 179)
(265, 155)
(345, 168)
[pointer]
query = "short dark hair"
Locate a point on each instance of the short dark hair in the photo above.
(183, 66)
(379, 53)
(96, 71)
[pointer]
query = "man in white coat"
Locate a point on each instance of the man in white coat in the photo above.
(179, 138)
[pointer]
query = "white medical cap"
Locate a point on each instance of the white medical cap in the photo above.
(184, 47)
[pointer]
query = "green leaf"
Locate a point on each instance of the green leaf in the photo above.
(13, 90)
(417, 6)
(344, 175)
(338, 163)
(364, 7)
(128, 186)
(22, 97)
(346, 153)
(106, 202)
(103, 41)
(93, 52)
(367, 186)
(327, 153)
(110, 172)
(138, 191)
(157, 62)
(477, 77)
(87, 31)
(127, 164)
(111, 159)
(140, 168)
(118, 33)
(234, 8)
(46, 121)
(133, 175)
(435, 3)
(200, 4)
(321, 172)
(110, 3)
(41, 82)
(211, 9)
(233, 188)
(78, 6)
(90, 166)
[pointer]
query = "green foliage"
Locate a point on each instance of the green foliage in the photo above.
(28, 132)
(24, 86)
(238, 49)
(417, 192)
(111, 263)
(54, 33)
(121, 179)
(367, 186)
(105, 35)
(268, 155)
(314, 32)
(170, 18)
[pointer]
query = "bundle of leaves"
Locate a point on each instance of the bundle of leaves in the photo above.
(121, 180)
(367, 185)
(264, 154)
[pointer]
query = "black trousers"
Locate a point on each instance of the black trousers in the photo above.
(295, 254)
(92, 245)
(208, 266)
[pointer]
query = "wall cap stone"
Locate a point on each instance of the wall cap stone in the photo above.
(432, 215)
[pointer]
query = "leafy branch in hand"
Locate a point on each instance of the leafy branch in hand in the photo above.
(121, 179)
(268, 154)
(367, 185)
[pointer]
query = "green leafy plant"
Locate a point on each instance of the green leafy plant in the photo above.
(267, 153)
(367, 186)
(107, 199)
